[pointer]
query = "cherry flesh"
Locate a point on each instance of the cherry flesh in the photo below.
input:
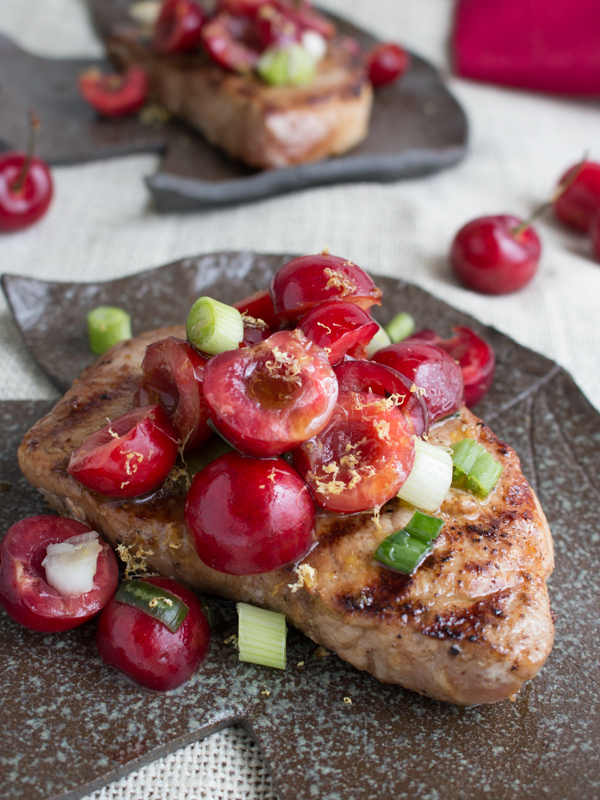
(114, 95)
(430, 369)
(129, 457)
(578, 203)
(367, 376)
(232, 42)
(386, 62)
(305, 281)
(178, 27)
(173, 373)
(495, 254)
(249, 515)
(475, 357)
(362, 457)
(339, 328)
(24, 593)
(268, 398)
(145, 650)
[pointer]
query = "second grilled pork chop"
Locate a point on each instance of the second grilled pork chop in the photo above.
(470, 626)
(263, 126)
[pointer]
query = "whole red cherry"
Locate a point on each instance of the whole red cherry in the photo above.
(178, 27)
(495, 254)
(577, 204)
(386, 63)
(26, 186)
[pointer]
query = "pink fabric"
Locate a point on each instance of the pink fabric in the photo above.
(546, 45)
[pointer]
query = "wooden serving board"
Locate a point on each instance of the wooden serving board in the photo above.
(70, 725)
(417, 127)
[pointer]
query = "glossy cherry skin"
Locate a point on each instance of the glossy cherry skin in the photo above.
(339, 328)
(249, 515)
(24, 593)
(430, 369)
(363, 456)
(22, 205)
(305, 281)
(489, 257)
(145, 650)
(232, 42)
(276, 28)
(475, 356)
(178, 27)
(259, 306)
(114, 95)
(367, 376)
(129, 457)
(386, 62)
(580, 201)
(267, 399)
(595, 234)
(173, 376)
(306, 18)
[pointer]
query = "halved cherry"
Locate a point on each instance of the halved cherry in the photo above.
(306, 18)
(305, 281)
(276, 27)
(339, 328)
(244, 7)
(430, 369)
(367, 376)
(363, 456)
(475, 357)
(25, 594)
(259, 306)
(255, 331)
(232, 41)
(249, 515)
(178, 26)
(173, 375)
(145, 649)
(114, 94)
(130, 456)
(269, 398)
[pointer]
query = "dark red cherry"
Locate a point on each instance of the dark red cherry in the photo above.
(26, 186)
(386, 63)
(475, 357)
(232, 42)
(339, 328)
(579, 202)
(178, 27)
(495, 254)
(114, 94)
(430, 369)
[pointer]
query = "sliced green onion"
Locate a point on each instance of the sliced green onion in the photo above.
(424, 527)
(261, 636)
(484, 475)
(155, 601)
(214, 327)
(107, 325)
(381, 339)
(474, 468)
(464, 455)
(430, 478)
(402, 552)
(210, 450)
(287, 66)
(400, 326)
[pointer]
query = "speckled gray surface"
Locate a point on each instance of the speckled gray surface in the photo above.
(417, 127)
(69, 724)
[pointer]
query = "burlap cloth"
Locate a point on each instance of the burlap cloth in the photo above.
(102, 226)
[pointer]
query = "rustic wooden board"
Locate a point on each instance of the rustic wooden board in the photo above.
(417, 127)
(71, 725)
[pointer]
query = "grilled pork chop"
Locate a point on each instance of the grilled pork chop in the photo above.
(261, 125)
(470, 626)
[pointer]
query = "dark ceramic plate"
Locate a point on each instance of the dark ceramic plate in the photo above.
(70, 725)
(417, 127)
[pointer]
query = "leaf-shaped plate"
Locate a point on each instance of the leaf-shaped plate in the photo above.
(417, 127)
(71, 725)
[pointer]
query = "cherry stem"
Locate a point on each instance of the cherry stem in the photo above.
(562, 187)
(34, 127)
